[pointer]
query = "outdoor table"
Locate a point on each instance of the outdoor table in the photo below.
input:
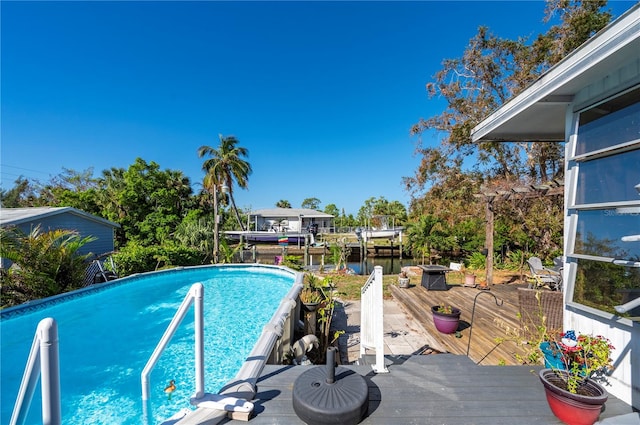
(434, 277)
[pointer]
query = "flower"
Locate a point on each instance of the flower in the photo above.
(583, 356)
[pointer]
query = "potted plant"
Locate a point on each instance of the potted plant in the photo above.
(446, 318)
(571, 388)
(310, 299)
(403, 279)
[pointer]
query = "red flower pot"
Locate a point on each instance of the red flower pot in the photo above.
(446, 323)
(573, 409)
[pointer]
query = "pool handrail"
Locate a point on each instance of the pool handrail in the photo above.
(43, 363)
(194, 296)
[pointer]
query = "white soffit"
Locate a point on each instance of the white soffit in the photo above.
(538, 113)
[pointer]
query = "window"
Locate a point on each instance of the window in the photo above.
(606, 209)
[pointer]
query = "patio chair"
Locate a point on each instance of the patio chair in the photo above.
(543, 276)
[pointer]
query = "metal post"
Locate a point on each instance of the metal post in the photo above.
(50, 372)
(198, 294)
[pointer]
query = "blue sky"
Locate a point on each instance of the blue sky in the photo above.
(322, 94)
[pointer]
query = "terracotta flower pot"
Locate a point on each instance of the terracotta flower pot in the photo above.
(573, 409)
(446, 323)
(470, 280)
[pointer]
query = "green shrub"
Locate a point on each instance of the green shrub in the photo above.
(134, 258)
(476, 261)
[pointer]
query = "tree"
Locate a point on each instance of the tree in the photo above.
(311, 203)
(46, 263)
(490, 71)
(147, 202)
(77, 189)
(394, 211)
(283, 203)
(22, 194)
(226, 165)
(422, 235)
(332, 209)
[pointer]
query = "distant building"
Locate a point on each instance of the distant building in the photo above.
(52, 218)
(289, 220)
(591, 101)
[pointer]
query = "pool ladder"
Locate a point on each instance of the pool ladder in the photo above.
(194, 296)
(42, 363)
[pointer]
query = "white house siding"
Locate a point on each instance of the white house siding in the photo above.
(623, 333)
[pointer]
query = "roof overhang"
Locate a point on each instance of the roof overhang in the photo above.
(18, 216)
(539, 112)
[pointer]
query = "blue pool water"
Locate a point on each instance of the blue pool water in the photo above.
(107, 334)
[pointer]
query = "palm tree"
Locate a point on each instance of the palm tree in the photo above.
(46, 263)
(225, 165)
(421, 234)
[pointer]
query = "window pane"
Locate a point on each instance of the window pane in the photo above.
(609, 124)
(600, 233)
(609, 179)
(605, 285)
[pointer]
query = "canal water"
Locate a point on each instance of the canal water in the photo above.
(365, 267)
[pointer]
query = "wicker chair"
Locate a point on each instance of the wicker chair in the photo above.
(546, 311)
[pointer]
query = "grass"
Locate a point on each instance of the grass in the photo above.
(348, 286)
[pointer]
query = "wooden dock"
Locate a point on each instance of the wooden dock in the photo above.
(494, 329)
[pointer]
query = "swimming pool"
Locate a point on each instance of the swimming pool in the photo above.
(108, 332)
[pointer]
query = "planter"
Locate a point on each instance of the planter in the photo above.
(470, 280)
(573, 409)
(310, 307)
(403, 282)
(446, 323)
(552, 356)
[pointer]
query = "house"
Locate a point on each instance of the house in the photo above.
(289, 220)
(49, 218)
(591, 102)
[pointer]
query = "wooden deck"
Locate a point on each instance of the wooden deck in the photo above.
(490, 324)
(430, 389)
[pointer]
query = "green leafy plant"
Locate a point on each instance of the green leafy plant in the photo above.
(445, 308)
(584, 356)
(45, 263)
(310, 296)
(294, 262)
(475, 261)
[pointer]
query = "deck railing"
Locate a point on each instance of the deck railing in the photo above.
(372, 319)
(42, 363)
(194, 296)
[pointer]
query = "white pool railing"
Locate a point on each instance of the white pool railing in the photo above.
(194, 296)
(42, 363)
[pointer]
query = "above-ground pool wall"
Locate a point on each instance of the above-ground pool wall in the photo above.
(283, 344)
(271, 345)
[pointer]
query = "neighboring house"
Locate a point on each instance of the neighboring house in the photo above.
(289, 220)
(591, 101)
(50, 218)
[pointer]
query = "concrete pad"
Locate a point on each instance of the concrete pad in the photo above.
(403, 335)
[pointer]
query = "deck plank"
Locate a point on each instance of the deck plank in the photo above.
(426, 390)
(492, 323)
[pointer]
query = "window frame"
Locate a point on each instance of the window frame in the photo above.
(572, 210)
